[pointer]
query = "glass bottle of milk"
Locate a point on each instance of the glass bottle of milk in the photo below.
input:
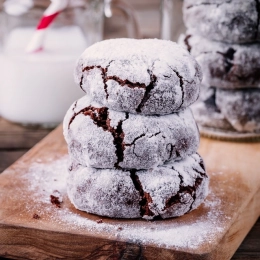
(37, 88)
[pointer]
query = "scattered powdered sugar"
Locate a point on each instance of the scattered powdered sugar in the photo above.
(44, 179)
(47, 179)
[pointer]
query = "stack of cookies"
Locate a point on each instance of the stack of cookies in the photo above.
(223, 36)
(132, 139)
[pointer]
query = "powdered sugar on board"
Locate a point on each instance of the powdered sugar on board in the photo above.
(202, 227)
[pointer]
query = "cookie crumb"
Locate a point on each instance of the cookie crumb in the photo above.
(55, 201)
(120, 228)
(99, 221)
(36, 216)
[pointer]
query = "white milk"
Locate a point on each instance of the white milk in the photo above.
(38, 88)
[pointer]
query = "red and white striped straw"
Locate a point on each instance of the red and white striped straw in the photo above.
(56, 6)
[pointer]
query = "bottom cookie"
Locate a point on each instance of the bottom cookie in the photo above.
(163, 192)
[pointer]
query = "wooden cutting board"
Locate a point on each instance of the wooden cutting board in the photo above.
(31, 227)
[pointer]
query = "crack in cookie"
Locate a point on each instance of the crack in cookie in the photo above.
(81, 82)
(148, 89)
(176, 199)
(145, 197)
(186, 41)
(126, 82)
(105, 78)
(119, 135)
(181, 86)
(138, 137)
(202, 165)
(94, 113)
(100, 117)
(133, 143)
(75, 105)
(228, 58)
(198, 182)
(207, 3)
(103, 73)
(171, 152)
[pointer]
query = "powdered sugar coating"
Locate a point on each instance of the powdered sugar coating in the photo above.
(148, 76)
(233, 21)
(231, 110)
(224, 65)
(168, 191)
(109, 139)
(241, 108)
(206, 93)
(207, 114)
(103, 192)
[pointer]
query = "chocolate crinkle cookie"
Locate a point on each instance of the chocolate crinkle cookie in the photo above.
(163, 192)
(232, 21)
(224, 65)
(206, 112)
(146, 76)
(231, 110)
(240, 108)
(103, 138)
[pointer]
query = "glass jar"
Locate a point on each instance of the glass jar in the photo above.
(171, 19)
(38, 88)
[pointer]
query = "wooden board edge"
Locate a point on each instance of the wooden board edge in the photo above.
(31, 243)
(239, 229)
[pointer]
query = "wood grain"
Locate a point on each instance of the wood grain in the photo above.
(9, 157)
(250, 247)
(14, 136)
(235, 181)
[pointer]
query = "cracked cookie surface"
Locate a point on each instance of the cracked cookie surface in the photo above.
(230, 110)
(229, 66)
(103, 138)
(233, 21)
(167, 191)
(147, 76)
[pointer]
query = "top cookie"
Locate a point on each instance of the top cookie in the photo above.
(232, 21)
(147, 76)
